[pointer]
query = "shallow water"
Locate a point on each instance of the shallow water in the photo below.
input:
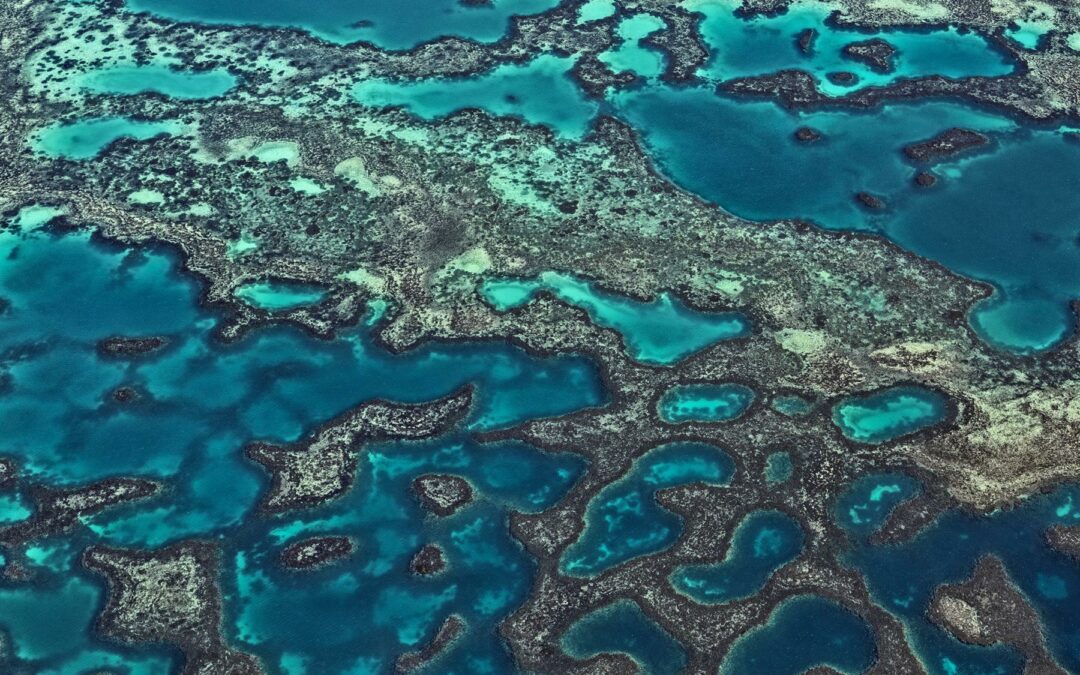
(85, 139)
(663, 331)
(539, 92)
(624, 520)
(373, 608)
(869, 501)
(277, 295)
(387, 25)
(763, 45)
(160, 79)
(992, 216)
(630, 55)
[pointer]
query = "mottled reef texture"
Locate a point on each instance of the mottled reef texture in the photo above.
(313, 471)
(417, 213)
(316, 552)
(988, 609)
(168, 596)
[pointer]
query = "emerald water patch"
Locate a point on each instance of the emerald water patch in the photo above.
(207, 400)
(624, 521)
(792, 405)
(622, 628)
(779, 467)
(704, 402)
(888, 414)
(631, 56)
(663, 331)
(762, 543)
(375, 608)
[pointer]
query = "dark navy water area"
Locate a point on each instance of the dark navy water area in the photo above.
(1009, 216)
(198, 402)
(622, 628)
(802, 633)
(761, 544)
(624, 521)
(902, 579)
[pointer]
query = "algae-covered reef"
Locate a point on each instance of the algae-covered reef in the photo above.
(338, 340)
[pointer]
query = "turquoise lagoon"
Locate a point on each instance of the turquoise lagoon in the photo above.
(174, 83)
(539, 92)
(663, 331)
(276, 296)
(630, 56)
(869, 501)
(888, 414)
(767, 44)
(1009, 216)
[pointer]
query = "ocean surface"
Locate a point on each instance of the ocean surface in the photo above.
(1007, 215)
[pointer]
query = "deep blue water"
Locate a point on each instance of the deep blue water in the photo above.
(623, 628)
(902, 579)
(202, 401)
(803, 632)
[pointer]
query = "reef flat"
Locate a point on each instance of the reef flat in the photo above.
(539, 336)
